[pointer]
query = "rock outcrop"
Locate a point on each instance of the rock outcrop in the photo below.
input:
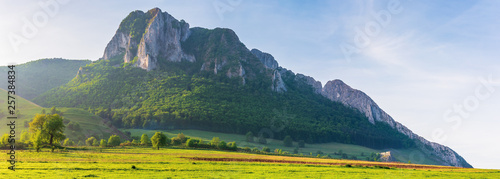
(337, 90)
(158, 37)
(316, 85)
(269, 62)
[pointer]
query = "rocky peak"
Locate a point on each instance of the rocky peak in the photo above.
(316, 85)
(269, 62)
(266, 59)
(147, 38)
(337, 90)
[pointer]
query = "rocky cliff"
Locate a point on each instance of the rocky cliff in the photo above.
(337, 90)
(146, 38)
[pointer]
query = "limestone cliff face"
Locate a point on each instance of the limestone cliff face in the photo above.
(147, 38)
(270, 63)
(337, 90)
(316, 85)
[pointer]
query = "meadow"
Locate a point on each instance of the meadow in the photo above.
(144, 162)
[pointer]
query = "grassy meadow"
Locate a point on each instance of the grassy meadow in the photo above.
(186, 163)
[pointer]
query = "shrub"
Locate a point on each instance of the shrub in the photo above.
(176, 141)
(192, 142)
(114, 140)
(255, 150)
(266, 149)
(222, 145)
(103, 143)
(90, 141)
(232, 146)
(145, 139)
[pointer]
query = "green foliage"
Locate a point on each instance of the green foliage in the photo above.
(145, 140)
(68, 142)
(262, 140)
(232, 146)
(222, 145)
(114, 140)
(102, 143)
(158, 140)
(192, 142)
(215, 141)
(37, 140)
(90, 141)
(296, 150)
(266, 149)
(25, 137)
(4, 141)
(50, 126)
(288, 142)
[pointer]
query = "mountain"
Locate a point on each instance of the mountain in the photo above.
(36, 77)
(157, 73)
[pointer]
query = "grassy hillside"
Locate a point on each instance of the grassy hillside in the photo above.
(90, 123)
(139, 162)
(36, 77)
(332, 148)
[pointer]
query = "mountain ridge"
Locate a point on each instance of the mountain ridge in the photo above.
(219, 54)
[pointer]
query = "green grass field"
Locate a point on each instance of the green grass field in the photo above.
(404, 155)
(176, 163)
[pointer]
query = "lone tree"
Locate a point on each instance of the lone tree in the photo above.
(158, 140)
(145, 139)
(50, 127)
(288, 142)
(114, 140)
(249, 137)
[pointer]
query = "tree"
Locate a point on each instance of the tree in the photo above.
(103, 143)
(68, 142)
(4, 141)
(50, 126)
(215, 141)
(302, 144)
(55, 128)
(145, 139)
(158, 140)
(114, 140)
(176, 141)
(288, 142)
(192, 142)
(182, 137)
(266, 149)
(25, 137)
(37, 141)
(249, 137)
(95, 142)
(232, 146)
(90, 141)
(222, 145)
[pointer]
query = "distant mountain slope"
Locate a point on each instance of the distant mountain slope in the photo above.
(157, 73)
(36, 77)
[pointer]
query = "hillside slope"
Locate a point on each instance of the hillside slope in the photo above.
(36, 77)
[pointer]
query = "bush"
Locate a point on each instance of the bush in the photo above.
(266, 149)
(232, 146)
(103, 143)
(192, 143)
(255, 150)
(90, 141)
(145, 140)
(176, 141)
(222, 145)
(114, 140)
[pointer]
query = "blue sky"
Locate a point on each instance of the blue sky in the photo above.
(424, 60)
